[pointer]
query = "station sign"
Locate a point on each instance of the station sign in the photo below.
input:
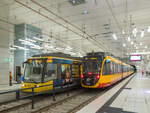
(135, 58)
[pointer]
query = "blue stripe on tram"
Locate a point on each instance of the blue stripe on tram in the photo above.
(62, 61)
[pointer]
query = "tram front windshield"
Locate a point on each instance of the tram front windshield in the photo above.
(91, 66)
(33, 71)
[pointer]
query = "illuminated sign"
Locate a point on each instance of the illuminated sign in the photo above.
(135, 58)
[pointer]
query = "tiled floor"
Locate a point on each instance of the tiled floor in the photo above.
(136, 95)
(132, 97)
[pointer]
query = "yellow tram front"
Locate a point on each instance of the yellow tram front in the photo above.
(101, 70)
(91, 71)
(50, 72)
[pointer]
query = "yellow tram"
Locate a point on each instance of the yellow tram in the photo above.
(54, 70)
(101, 70)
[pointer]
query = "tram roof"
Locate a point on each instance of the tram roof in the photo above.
(57, 54)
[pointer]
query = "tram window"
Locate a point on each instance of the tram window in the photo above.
(106, 68)
(64, 69)
(75, 71)
(116, 68)
(120, 69)
(111, 68)
(50, 72)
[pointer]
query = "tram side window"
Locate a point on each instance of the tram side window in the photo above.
(75, 71)
(116, 68)
(112, 69)
(106, 68)
(123, 68)
(65, 69)
(119, 68)
(50, 72)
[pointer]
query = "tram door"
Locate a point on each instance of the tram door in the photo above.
(18, 74)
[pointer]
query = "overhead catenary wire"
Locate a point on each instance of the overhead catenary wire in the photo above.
(64, 20)
(113, 15)
(80, 35)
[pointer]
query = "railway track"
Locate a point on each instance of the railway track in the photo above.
(76, 100)
(71, 104)
(24, 106)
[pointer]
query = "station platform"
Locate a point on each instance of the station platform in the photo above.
(8, 88)
(8, 96)
(132, 95)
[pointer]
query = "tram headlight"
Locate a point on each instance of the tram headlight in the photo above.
(97, 76)
(82, 76)
(23, 85)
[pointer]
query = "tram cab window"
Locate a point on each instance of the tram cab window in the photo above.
(75, 71)
(33, 71)
(50, 72)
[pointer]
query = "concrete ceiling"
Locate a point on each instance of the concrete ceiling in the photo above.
(86, 32)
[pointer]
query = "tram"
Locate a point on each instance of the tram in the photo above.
(54, 69)
(101, 70)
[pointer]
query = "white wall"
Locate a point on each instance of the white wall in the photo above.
(4, 44)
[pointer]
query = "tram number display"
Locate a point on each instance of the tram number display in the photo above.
(135, 58)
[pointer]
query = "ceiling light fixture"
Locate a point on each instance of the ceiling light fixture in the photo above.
(39, 39)
(36, 47)
(30, 40)
(123, 32)
(73, 1)
(124, 45)
(140, 43)
(114, 36)
(12, 48)
(145, 47)
(134, 32)
(129, 39)
(142, 33)
(140, 53)
(148, 30)
(85, 12)
(68, 48)
(132, 43)
(22, 48)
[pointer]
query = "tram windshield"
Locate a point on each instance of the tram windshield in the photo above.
(91, 66)
(33, 71)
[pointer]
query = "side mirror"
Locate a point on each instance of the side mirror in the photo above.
(23, 64)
